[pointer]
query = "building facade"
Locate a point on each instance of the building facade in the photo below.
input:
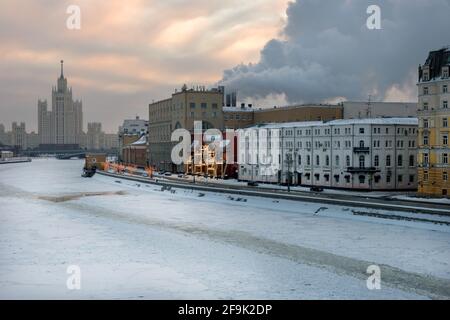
(434, 130)
(180, 112)
(363, 154)
(64, 123)
(19, 135)
(131, 131)
(362, 110)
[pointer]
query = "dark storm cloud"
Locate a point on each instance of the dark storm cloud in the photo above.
(326, 51)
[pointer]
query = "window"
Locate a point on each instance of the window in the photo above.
(388, 179)
(425, 90)
(299, 160)
(445, 139)
(400, 178)
(362, 179)
(425, 159)
(347, 179)
(411, 161)
(445, 158)
(400, 160)
(362, 161)
(361, 130)
(204, 105)
(425, 106)
(327, 161)
(445, 176)
(337, 161)
(361, 144)
(388, 161)
(425, 123)
(347, 160)
(214, 106)
(425, 176)
(445, 104)
(377, 179)
(308, 160)
(425, 140)
(444, 122)
(444, 88)
(411, 178)
(377, 161)
(317, 161)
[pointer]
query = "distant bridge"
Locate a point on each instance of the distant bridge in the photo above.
(67, 154)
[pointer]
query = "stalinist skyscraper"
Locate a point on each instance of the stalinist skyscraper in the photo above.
(64, 123)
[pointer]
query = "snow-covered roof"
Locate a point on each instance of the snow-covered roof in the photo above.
(373, 121)
(237, 109)
(142, 141)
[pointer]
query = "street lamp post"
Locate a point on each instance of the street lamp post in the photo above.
(289, 162)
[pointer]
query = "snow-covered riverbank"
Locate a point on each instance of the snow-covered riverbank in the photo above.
(137, 241)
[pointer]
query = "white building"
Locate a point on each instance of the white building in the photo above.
(367, 154)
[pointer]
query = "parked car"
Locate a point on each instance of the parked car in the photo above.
(252, 184)
(316, 189)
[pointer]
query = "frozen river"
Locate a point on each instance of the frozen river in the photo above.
(135, 241)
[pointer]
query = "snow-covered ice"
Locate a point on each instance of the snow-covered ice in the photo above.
(134, 241)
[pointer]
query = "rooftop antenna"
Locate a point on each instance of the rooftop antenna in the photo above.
(62, 68)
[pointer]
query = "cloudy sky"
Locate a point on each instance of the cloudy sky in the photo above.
(128, 53)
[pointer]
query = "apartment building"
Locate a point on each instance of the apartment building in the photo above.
(434, 130)
(181, 110)
(363, 154)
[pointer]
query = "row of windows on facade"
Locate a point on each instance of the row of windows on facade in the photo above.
(426, 75)
(238, 117)
(346, 131)
(426, 159)
(347, 178)
(426, 90)
(362, 160)
(426, 106)
(444, 139)
(337, 144)
(427, 123)
(426, 176)
(348, 144)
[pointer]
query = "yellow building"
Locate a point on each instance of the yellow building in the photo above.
(434, 118)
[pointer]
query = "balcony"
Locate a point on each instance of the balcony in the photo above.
(361, 150)
(362, 170)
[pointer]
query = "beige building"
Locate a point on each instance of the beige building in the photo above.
(434, 130)
(246, 116)
(180, 111)
(361, 110)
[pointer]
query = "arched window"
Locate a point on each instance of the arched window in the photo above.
(347, 160)
(388, 161)
(377, 161)
(400, 160)
(362, 161)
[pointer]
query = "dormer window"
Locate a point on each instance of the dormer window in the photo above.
(445, 72)
(426, 76)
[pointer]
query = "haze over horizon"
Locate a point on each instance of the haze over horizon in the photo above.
(272, 51)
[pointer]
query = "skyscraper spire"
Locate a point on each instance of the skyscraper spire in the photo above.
(62, 68)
